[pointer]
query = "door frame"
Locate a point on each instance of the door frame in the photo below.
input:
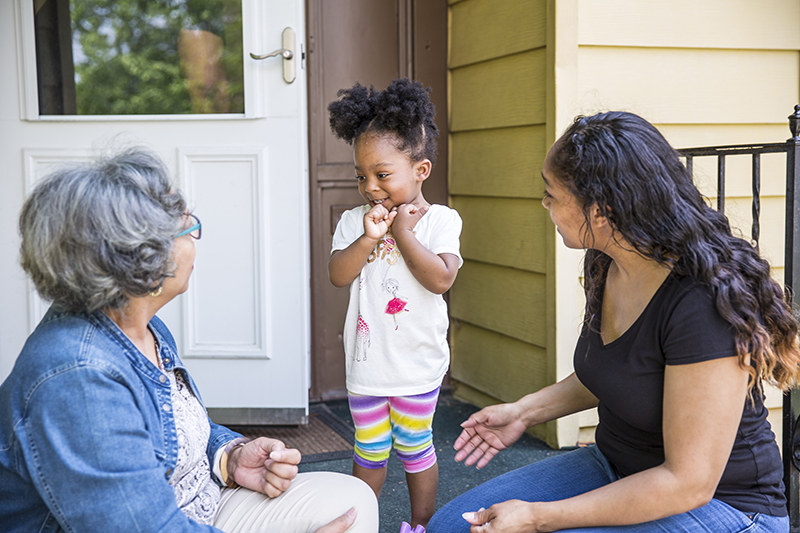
(422, 54)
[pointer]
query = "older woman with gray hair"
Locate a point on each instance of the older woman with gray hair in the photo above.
(101, 426)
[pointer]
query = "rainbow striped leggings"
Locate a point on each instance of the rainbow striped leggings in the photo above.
(403, 421)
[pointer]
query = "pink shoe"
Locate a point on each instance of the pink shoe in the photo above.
(406, 528)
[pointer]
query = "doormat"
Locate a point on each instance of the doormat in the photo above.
(326, 437)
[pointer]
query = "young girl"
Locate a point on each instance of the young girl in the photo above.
(399, 254)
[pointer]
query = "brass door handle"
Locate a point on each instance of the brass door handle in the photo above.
(287, 53)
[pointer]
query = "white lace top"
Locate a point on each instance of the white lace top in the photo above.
(197, 494)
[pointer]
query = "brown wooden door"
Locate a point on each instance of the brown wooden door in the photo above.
(371, 42)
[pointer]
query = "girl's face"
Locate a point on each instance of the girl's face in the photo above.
(386, 176)
(566, 211)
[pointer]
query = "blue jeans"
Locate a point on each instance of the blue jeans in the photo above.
(583, 470)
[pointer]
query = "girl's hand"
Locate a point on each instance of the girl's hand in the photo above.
(407, 217)
(377, 222)
(264, 465)
(488, 431)
(513, 516)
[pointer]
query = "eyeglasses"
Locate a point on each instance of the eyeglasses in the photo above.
(195, 231)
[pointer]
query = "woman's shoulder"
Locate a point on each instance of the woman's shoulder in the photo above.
(64, 340)
(683, 289)
(691, 323)
(683, 297)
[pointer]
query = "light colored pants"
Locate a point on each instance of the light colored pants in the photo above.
(313, 500)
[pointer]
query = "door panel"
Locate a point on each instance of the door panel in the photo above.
(371, 43)
(243, 325)
(327, 341)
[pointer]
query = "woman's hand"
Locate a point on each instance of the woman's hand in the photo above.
(377, 222)
(488, 431)
(264, 465)
(340, 524)
(513, 516)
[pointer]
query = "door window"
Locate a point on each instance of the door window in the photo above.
(139, 57)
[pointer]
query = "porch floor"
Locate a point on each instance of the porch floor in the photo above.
(454, 478)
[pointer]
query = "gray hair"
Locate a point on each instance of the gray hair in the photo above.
(95, 234)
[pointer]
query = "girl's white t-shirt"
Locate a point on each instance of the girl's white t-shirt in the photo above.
(395, 332)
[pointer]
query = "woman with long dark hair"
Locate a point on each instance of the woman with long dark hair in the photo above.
(683, 327)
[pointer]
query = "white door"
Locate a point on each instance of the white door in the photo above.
(238, 153)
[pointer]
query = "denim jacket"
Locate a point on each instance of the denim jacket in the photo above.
(87, 433)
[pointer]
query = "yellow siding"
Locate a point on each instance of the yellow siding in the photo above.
(504, 92)
(484, 358)
(685, 86)
(501, 299)
(686, 135)
(503, 162)
(516, 26)
(736, 24)
(503, 231)
(497, 103)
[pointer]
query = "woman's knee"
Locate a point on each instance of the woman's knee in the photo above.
(335, 493)
(555, 478)
(358, 494)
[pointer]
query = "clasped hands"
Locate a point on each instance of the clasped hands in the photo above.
(378, 220)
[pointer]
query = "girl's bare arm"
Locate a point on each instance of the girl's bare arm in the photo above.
(345, 265)
(434, 272)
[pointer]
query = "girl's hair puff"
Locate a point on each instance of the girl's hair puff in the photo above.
(622, 164)
(403, 111)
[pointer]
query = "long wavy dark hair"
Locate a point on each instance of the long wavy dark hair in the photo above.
(621, 163)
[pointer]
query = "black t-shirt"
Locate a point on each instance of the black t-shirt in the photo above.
(679, 326)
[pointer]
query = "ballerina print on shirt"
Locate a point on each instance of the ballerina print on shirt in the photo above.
(396, 305)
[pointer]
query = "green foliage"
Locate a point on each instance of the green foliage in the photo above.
(131, 64)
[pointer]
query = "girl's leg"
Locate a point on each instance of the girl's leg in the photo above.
(412, 428)
(313, 500)
(374, 477)
(555, 478)
(373, 437)
(422, 487)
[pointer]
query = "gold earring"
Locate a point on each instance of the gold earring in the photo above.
(156, 292)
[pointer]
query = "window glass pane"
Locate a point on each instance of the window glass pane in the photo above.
(131, 57)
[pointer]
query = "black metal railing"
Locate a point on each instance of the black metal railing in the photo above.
(791, 400)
